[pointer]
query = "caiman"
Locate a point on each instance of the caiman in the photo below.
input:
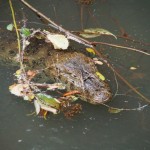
(72, 68)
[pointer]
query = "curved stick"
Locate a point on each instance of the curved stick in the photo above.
(123, 47)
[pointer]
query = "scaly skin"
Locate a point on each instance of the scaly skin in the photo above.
(79, 72)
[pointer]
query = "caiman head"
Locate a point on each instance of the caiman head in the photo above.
(78, 72)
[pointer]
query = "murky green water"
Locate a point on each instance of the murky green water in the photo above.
(95, 128)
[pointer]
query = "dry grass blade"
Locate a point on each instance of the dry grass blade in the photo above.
(17, 33)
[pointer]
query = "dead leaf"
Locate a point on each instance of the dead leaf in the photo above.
(95, 32)
(59, 41)
(31, 73)
(114, 110)
(37, 107)
(17, 89)
(98, 62)
(22, 90)
(54, 86)
(133, 68)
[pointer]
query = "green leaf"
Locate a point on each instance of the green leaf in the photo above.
(10, 27)
(95, 32)
(47, 100)
(114, 110)
(89, 35)
(25, 31)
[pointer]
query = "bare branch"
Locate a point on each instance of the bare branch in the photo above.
(122, 47)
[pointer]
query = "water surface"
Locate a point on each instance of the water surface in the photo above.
(95, 128)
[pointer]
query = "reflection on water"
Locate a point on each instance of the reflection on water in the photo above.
(94, 128)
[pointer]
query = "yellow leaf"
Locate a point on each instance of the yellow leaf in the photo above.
(98, 31)
(90, 50)
(31, 96)
(100, 76)
(114, 110)
(18, 72)
(45, 114)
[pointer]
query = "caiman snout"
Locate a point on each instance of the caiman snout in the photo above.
(101, 97)
(96, 90)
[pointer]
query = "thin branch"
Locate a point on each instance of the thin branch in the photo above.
(117, 86)
(123, 47)
(133, 40)
(126, 109)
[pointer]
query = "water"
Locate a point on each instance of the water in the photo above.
(95, 128)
